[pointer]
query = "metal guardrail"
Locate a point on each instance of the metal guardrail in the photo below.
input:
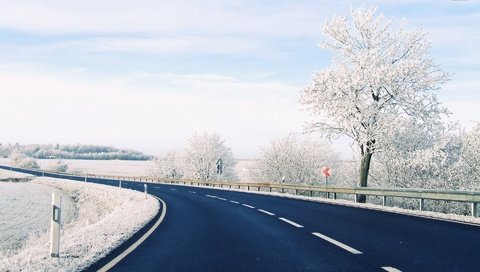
(472, 197)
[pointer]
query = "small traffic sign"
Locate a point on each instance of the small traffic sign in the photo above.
(326, 171)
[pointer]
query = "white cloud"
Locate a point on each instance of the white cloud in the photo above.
(46, 108)
(166, 45)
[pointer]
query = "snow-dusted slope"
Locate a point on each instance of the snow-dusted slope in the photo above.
(6, 175)
(25, 210)
(105, 216)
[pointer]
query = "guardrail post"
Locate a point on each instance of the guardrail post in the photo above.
(55, 226)
(422, 204)
(334, 195)
(296, 191)
(474, 209)
(259, 188)
(248, 187)
(283, 190)
(384, 201)
(356, 198)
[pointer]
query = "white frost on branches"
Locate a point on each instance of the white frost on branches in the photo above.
(293, 161)
(199, 160)
(170, 166)
(378, 74)
(202, 154)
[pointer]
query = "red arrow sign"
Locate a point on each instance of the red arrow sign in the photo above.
(326, 171)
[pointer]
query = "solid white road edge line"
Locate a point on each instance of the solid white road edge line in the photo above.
(267, 212)
(124, 254)
(391, 269)
(290, 222)
(337, 243)
(236, 202)
(248, 206)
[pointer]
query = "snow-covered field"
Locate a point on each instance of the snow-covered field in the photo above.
(94, 225)
(26, 210)
(120, 167)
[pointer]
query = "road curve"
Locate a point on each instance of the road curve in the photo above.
(216, 230)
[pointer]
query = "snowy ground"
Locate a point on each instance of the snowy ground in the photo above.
(26, 210)
(10, 176)
(96, 226)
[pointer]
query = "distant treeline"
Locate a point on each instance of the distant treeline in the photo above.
(84, 152)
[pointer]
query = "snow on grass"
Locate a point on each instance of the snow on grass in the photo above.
(25, 210)
(106, 216)
(6, 175)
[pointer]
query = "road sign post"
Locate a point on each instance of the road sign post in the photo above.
(219, 166)
(55, 225)
(327, 172)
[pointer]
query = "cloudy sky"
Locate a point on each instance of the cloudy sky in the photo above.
(147, 74)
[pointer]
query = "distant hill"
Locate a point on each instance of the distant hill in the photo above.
(84, 152)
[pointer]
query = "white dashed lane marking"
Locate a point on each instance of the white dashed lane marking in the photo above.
(290, 222)
(221, 198)
(192, 192)
(337, 243)
(267, 212)
(235, 202)
(248, 206)
(390, 269)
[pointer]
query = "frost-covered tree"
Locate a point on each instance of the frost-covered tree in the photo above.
(292, 160)
(466, 172)
(202, 155)
(418, 156)
(171, 165)
(378, 73)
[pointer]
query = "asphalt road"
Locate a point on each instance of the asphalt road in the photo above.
(216, 230)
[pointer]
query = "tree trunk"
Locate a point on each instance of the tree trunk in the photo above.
(364, 169)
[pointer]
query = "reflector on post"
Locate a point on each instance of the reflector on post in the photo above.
(55, 225)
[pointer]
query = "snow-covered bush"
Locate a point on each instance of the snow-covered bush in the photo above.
(58, 166)
(199, 160)
(292, 160)
(202, 155)
(171, 165)
(429, 157)
(23, 161)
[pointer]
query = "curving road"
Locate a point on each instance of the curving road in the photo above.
(216, 230)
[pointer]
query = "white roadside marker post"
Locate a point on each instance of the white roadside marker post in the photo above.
(86, 177)
(120, 184)
(145, 185)
(55, 226)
